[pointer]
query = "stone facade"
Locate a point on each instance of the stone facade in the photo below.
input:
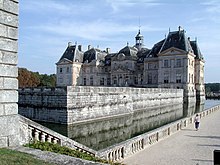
(9, 130)
(174, 62)
(74, 104)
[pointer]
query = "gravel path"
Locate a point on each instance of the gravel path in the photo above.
(186, 147)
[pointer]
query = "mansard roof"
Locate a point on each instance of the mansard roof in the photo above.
(196, 50)
(156, 49)
(94, 54)
(177, 39)
(142, 54)
(72, 54)
(129, 51)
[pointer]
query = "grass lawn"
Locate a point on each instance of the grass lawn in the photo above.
(11, 157)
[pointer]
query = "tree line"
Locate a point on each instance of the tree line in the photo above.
(28, 78)
(212, 87)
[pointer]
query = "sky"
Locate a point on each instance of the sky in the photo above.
(46, 27)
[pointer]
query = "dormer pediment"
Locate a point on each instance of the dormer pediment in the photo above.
(64, 61)
(172, 51)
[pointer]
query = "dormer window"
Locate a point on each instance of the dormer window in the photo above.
(61, 70)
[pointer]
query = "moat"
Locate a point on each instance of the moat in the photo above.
(106, 132)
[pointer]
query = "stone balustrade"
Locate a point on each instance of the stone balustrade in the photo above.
(31, 131)
(128, 147)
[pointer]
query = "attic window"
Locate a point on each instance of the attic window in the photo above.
(61, 70)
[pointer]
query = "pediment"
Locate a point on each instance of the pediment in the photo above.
(64, 61)
(172, 51)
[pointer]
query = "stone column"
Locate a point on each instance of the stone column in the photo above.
(9, 127)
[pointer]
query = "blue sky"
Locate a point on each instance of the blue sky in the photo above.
(46, 27)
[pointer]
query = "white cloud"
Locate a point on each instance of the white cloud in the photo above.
(118, 5)
(94, 30)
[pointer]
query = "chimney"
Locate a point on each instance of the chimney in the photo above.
(80, 47)
(108, 50)
(89, 47)
(70, 44)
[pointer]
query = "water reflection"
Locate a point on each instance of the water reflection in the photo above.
(102, 133)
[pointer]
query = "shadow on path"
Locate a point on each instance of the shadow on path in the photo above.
(208, 145)
(201, 160)
(209, 137)
(187, 129)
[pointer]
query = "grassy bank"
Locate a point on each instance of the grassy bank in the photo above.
(45, 146)
(11, 157)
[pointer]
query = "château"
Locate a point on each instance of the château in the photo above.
(173, 62)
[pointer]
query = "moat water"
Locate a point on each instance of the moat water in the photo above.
(106, 132)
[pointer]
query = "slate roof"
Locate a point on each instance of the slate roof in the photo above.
(196, 50)
(94, 54)
(129, 51)
(73, 54)
(177, 39)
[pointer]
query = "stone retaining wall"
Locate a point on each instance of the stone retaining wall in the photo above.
(79, 104)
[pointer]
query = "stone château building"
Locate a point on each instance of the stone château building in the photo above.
(174, 62)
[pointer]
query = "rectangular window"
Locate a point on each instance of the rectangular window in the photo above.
(166, 78)
(67, 70)
(108, 81)
(102, 81)
(61, 70)
(135, 80)
(178, 63)
(178, 78)
(149, 77)
(166, 65)
(91, 80)
(84, 81)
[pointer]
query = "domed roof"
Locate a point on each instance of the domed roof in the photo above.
(139, 35)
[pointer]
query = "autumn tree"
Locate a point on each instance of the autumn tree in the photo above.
(28, 78)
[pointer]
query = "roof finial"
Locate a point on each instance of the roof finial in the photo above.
(169, 29)
(127, 43)
(75, 42)
(196, 39)
(139, 23)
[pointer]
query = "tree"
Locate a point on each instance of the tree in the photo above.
(28, 78)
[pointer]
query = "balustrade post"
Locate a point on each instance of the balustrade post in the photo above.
(30, 134)
(119, 154)
(49, 138)
(43, 136)
(36, 135)
(55, 140)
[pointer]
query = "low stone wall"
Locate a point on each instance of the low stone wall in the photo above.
(78, 104)
(131, 146)
(31, 131)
